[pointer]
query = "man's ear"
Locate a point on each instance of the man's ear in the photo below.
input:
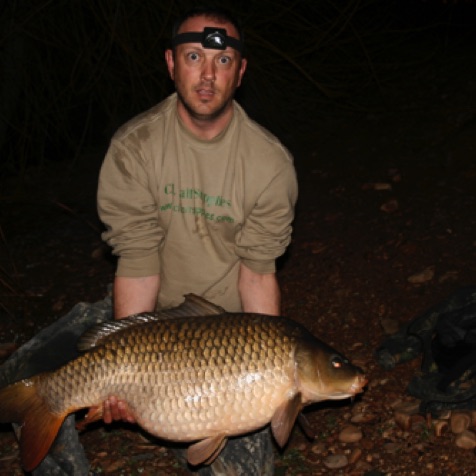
(169, 59)
(241, 71)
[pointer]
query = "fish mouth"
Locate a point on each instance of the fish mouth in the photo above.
(358, 385)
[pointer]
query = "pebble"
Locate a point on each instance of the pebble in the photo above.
(411, 407)
(355, 455)
(389, 206)
(418, 422)
(466, 440)
(336, 461)
(459, 422)
(350, 434)
(440, 426)
(392, 447)
(378, 186)
(363, 418)
(113, 465)
(423, 276)
(301, 447)
(319, 448)
(366, 444)
(444, 415)
(359, 407)
(403, 420)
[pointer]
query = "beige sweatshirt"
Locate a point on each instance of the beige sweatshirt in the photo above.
(192, 210)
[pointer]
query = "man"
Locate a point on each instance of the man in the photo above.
(196, 197)
(193, 185)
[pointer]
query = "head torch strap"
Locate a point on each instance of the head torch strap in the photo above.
(212, 38)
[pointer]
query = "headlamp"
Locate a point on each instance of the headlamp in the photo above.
(210, 38)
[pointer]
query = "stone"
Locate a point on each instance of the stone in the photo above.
(336, 461)
(350, 434)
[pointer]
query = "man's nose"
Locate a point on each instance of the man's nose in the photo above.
(208, 71)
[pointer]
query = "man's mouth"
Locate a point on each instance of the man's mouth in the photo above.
(205, 91)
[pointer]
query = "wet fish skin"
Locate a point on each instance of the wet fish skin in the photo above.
(198, 378)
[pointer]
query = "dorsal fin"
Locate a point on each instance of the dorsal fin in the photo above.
(193, 306)
(99, 332)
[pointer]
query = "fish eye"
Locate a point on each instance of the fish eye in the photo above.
(337, 361)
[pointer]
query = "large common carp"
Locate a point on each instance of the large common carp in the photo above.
(192, 374)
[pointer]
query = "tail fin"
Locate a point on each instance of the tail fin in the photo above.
(20, 403)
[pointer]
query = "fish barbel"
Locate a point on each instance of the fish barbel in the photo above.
(191, 374)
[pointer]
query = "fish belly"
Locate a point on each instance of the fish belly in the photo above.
(199, 407)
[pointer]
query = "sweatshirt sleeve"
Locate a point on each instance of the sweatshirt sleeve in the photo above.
(266, 232)
(129, 211)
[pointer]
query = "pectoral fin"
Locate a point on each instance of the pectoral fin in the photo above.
(283, 419)
(306, 427)
(205, 451)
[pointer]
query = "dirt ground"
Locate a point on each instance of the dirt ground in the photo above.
(385, 229)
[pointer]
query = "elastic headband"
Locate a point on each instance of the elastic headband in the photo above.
(210, 37)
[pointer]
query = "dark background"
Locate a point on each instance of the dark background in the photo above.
(72, 71)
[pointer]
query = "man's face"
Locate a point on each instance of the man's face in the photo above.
(205, 79)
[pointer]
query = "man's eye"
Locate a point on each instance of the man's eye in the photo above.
(224, 60)
(193, 56)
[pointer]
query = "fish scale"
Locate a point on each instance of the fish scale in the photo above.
(203, 376)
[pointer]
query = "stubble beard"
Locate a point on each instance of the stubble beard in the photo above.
(203, 117)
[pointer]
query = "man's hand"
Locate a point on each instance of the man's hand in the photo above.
(114, 409)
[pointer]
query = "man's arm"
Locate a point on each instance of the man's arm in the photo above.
(259, 292)
(134, 295)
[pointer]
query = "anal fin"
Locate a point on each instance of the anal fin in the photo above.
(94, 414)
(205, 451)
